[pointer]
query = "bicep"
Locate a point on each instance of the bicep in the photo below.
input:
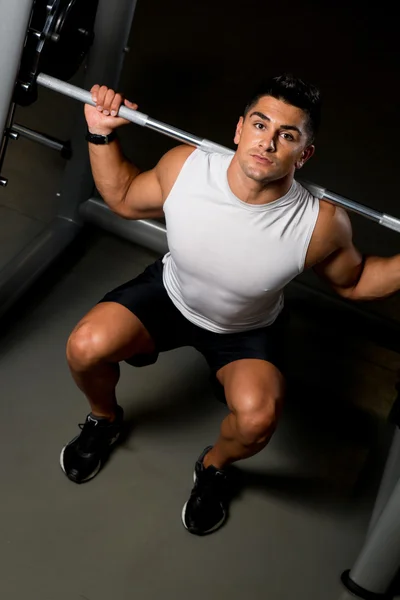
(342, 268)
(144, 198)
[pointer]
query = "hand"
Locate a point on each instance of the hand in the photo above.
(102, 119)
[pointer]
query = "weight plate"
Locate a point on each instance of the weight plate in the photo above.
(60, 35)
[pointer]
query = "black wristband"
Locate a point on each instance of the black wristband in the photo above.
(100, 140)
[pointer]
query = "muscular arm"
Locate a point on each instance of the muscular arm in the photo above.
(112, 173)
(128, 192)
(349, 273)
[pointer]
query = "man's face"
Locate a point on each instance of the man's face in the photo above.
(272, 140)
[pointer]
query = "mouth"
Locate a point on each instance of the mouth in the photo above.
(261, 159)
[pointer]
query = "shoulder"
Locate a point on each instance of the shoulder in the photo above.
(170, 165)
(332, 232)
(175, 158)
(335, 222)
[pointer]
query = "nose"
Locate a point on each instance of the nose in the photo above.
(268, 142)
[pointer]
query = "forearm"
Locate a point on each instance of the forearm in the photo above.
(112, 172)
(379, 278)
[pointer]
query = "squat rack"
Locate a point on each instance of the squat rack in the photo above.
(378, 562)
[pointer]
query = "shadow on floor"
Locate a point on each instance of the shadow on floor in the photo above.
(323, 366)
(185, 399)
(333, 445)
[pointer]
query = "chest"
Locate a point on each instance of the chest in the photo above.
(231, 247)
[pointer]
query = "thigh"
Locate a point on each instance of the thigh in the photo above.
(265, 345)
(115, 331)
(146, 298)
(252, 385)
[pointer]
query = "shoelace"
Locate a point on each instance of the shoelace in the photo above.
(91, 437)
(208, 485)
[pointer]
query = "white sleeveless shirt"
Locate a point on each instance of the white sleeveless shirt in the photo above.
(229, 261)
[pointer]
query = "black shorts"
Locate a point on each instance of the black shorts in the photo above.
(146, 297)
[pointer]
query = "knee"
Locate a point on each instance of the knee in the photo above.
(257, 419)
(86, 347)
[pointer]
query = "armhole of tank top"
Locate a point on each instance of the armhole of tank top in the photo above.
(309, 234)
(185, 165)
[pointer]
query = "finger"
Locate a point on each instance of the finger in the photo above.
(131, 105)
(116, 105)
(101, 96)
(94, 91)
(108, 100)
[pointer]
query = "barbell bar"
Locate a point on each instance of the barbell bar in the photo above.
(144, 120)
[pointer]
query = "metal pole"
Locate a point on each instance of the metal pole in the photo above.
(4, 141)
(149, 233)
(105, 61)
(379, 560)
(113, 24)
(40, 138)
(390, 478)
(14, 22)
(145, 121)
(132, 115)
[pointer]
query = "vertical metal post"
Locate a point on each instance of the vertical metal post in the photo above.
(390, 478)
(113, 24)
(379, 560)
(15, 17)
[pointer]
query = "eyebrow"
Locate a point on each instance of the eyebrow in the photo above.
(265, 118)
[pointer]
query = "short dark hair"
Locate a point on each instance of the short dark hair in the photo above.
(293, 91)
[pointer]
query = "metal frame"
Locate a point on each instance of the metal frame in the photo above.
(113, 24)
(150, 234)
(13, 27)
(379, 560)
(40, 138)
(377, 564)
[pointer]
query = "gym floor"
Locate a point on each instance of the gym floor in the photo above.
(297, 523)
(305, 502)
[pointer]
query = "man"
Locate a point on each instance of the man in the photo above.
(239, 229)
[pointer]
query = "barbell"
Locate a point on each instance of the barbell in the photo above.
(59, 36)
(144, 120)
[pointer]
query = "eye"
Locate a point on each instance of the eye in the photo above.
(288, 136)
(259, 126)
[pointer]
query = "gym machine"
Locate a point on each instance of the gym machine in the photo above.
(44, 42)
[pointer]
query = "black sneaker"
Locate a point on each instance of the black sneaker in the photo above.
(84, 456)
(207, 508)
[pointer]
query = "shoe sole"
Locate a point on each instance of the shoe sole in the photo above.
(217, 526)
(93, 473)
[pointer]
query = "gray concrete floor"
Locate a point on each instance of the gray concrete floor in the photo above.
(301, 516)
(298, 522)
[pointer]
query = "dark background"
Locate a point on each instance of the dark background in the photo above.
(194, 65)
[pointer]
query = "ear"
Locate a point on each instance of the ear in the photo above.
(305, 156)
(238, 132)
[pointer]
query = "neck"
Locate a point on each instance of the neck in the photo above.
(256, 192)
